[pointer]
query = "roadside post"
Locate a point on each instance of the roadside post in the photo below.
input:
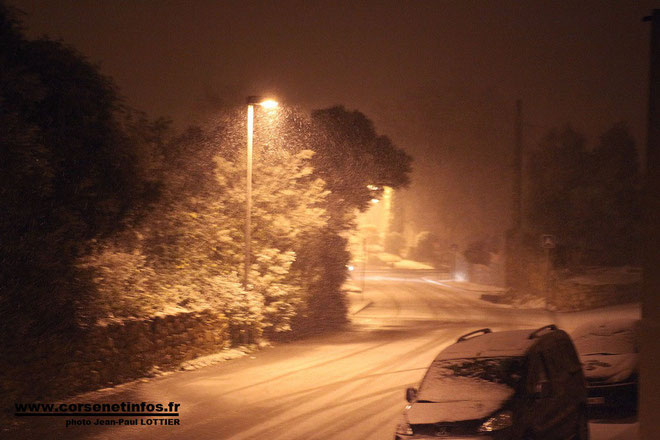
(364, 264)
(454, 249)
(548, 242)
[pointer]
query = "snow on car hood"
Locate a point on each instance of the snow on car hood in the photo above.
(610, 368)
(459, 399)
(435, 412)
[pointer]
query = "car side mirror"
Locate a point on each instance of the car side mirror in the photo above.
(542, 389)
(411, 394)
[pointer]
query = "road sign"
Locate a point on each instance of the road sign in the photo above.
(548, 241)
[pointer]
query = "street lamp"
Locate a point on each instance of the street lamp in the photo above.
(251, 102)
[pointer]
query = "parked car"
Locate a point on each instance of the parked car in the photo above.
(522, 384)
(609, 351)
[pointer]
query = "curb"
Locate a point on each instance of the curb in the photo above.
(487, 292)
(361, 308)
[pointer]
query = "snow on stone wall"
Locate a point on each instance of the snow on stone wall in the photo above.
(106, 355)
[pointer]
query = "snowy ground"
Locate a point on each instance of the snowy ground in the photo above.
(344, 385)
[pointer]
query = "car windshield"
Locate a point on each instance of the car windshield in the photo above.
(493, 378)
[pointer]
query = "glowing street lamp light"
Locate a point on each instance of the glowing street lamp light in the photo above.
(371, 187)
(268, 104)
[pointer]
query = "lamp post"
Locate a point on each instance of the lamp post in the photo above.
(251, 102)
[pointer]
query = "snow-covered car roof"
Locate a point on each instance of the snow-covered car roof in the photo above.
(507, 343)
(603, 327)
(608, 350)
(616, 336)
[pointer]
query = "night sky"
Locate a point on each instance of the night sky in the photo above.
(439, 77)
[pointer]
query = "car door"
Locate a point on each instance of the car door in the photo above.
(565, 401)
(542, 410)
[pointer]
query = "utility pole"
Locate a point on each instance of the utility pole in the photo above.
(649, 400)
(513, 270)
(251, 102)
(517, 170)
(248, 190)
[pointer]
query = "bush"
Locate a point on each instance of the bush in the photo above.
(477, 252)
(394, 243)
(424, 249)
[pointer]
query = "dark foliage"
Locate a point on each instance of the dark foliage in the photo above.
(67, 172)
(477, 252)
(588, 199)
(425, 247)
(322, 261)
(351, 155)
(395, 242)
(616, 186)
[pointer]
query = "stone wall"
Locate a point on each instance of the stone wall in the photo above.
(105, 355)
(567, 297)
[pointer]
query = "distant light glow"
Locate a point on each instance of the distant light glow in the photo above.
(373, 187)
(269, 103)
(375, 200)
(351, 268)
(459, 276)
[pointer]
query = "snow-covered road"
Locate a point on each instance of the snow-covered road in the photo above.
(345, 385)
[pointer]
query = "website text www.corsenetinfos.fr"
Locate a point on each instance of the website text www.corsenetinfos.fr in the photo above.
(111, 414)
